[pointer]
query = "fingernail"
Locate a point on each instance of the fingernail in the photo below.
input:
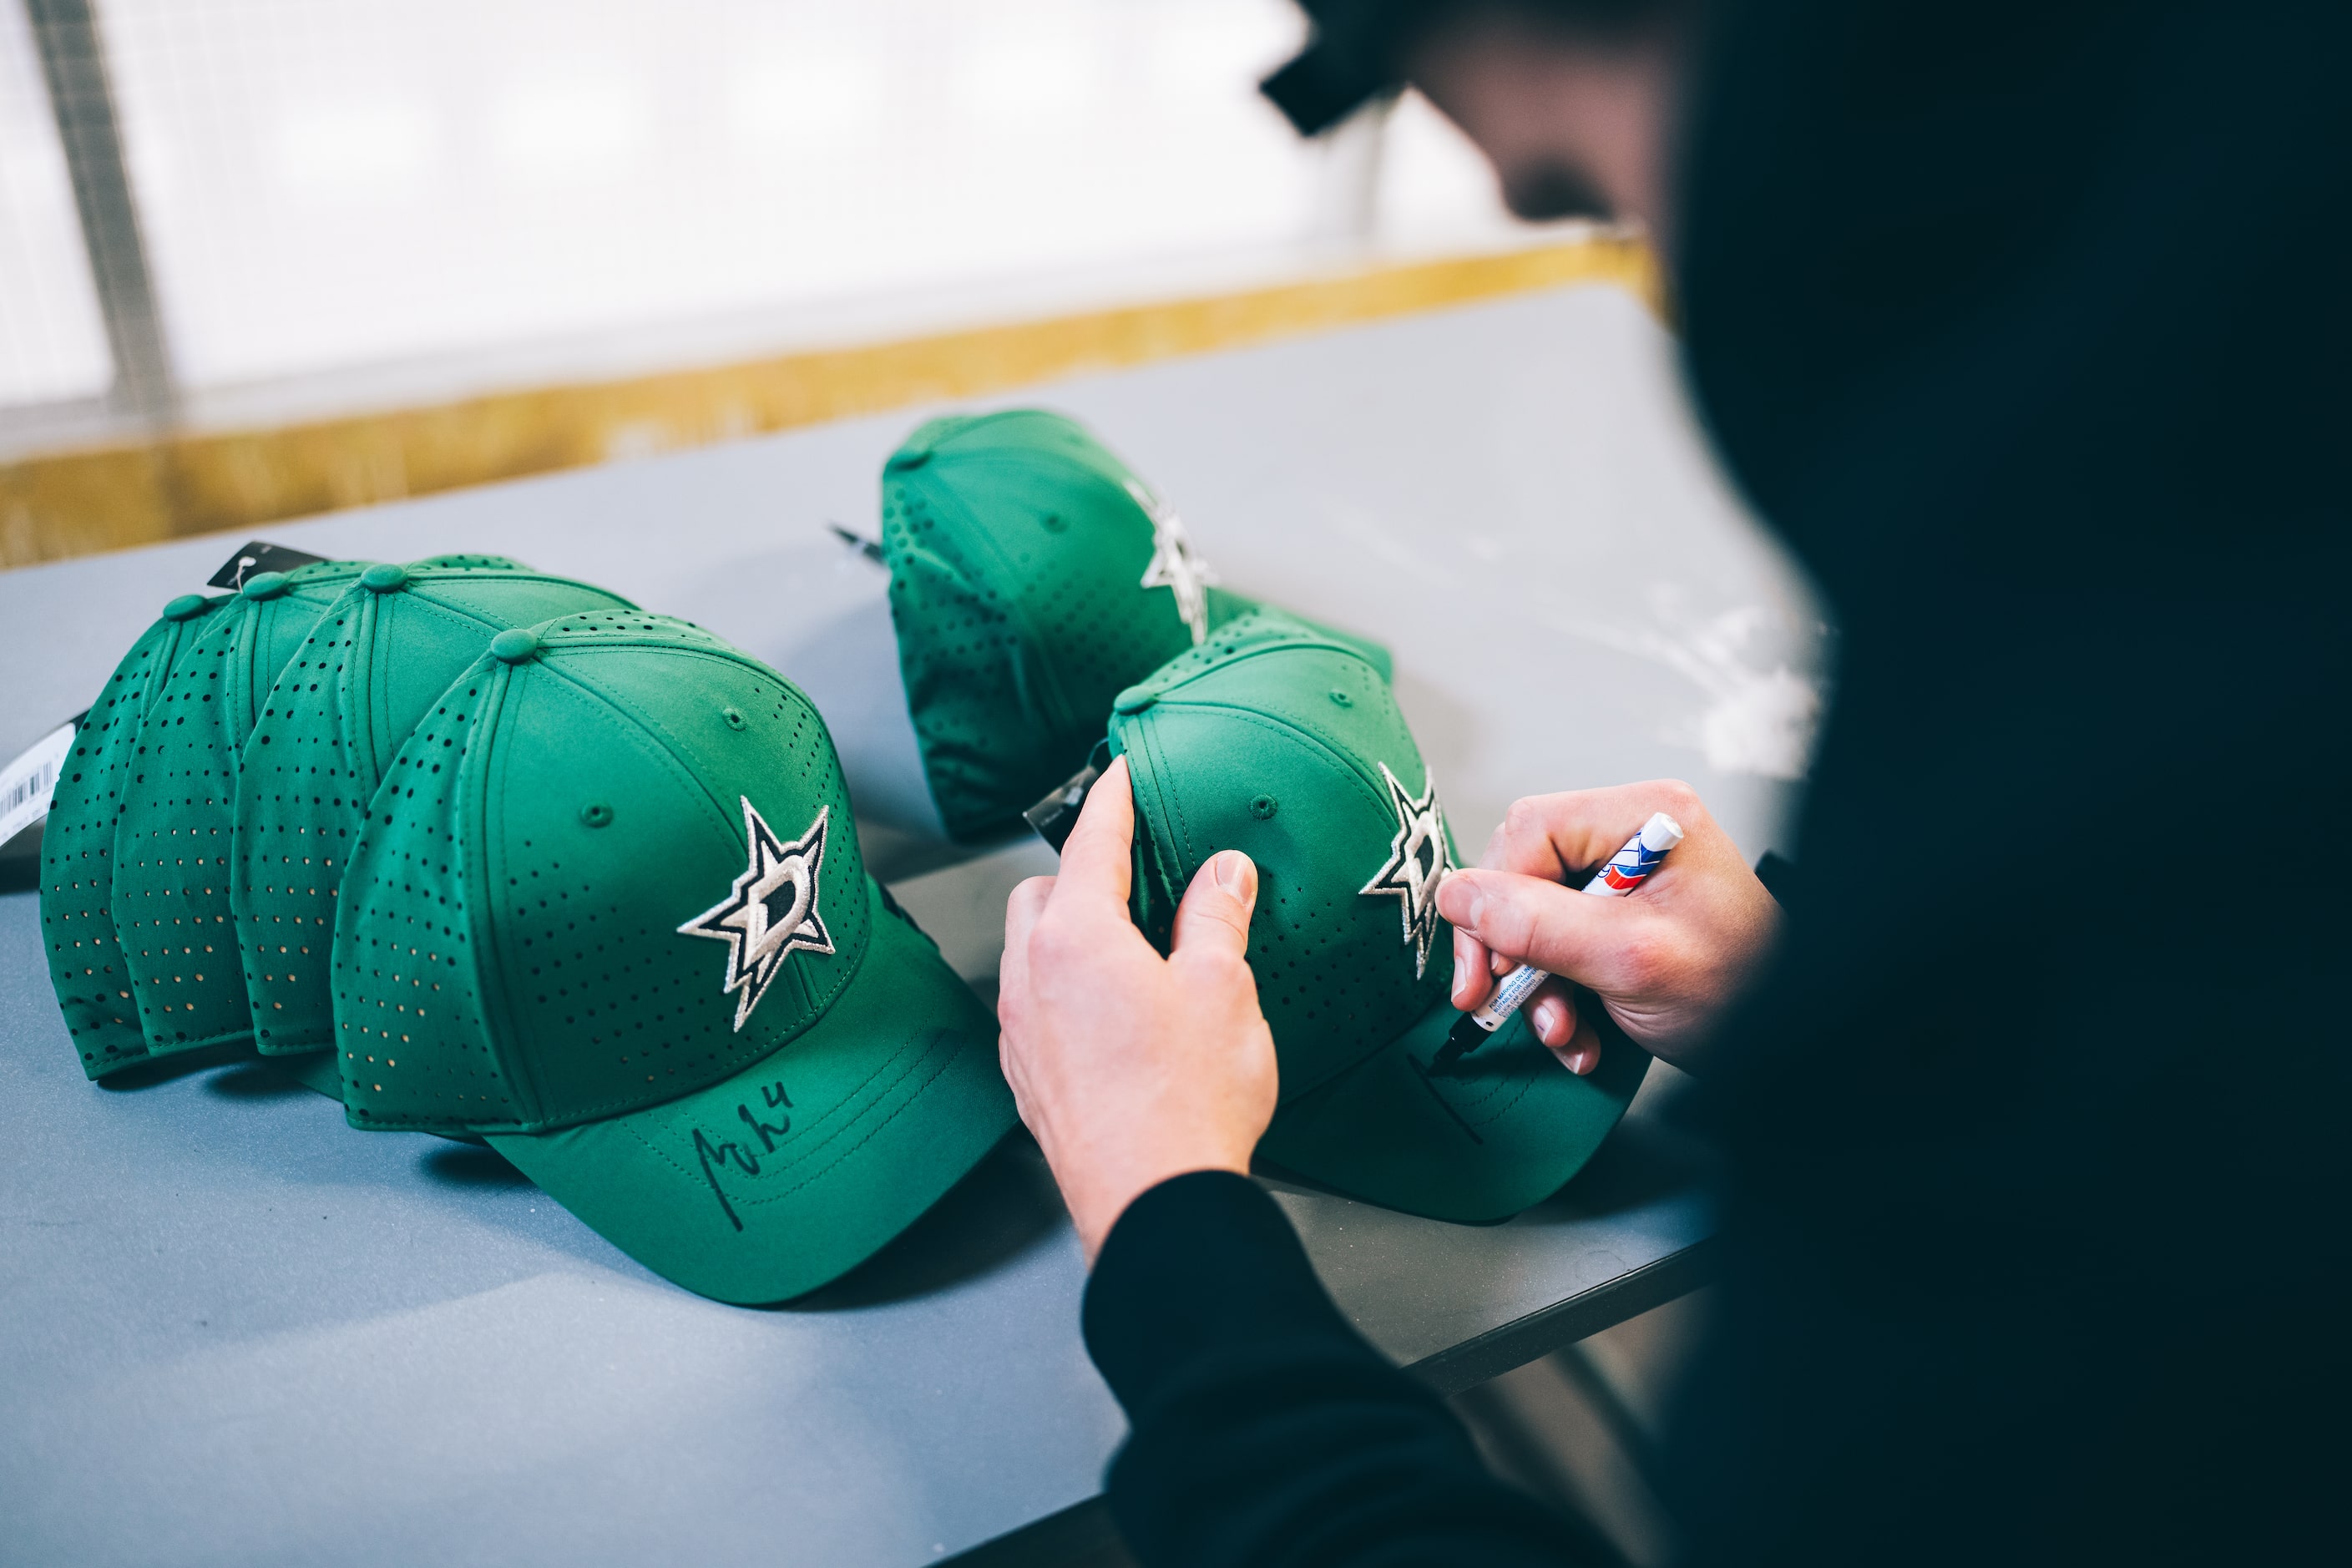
(1545, 1017)
(1236, 875)
(1583, 1061)
(1461, 974)
(1463, 908)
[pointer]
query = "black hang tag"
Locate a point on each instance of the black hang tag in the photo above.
(860, 543)
(257, 557)
(1054, 815)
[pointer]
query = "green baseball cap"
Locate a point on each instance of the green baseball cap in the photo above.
(174, 839)
(1032, 576)
(86, 967)
(1288, 744)
(373, 663)
(609, 913)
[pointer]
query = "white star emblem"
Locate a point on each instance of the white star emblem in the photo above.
(1174, 566)
(757, 941)
(1418, 859)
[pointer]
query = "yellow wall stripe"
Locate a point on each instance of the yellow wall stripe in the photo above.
(63, 504)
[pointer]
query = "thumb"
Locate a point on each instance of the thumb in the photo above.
(1530, 920)
(1215, 914)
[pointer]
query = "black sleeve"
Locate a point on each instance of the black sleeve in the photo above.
(1264, 1430)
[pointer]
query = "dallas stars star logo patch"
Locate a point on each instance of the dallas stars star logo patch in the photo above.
(1174, 564)
(758, 934)
(1419, 859)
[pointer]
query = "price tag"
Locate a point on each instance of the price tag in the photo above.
(26, 783)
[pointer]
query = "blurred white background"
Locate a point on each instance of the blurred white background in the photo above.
(363, 199)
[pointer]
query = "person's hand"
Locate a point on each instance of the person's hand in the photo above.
(1666, 961)
(1130, 1068)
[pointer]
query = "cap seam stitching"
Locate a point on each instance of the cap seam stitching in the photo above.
(661, 746)
(481, 913)
(1015, 611)
(1243, 655)
(871, 1132)
(1322, 743)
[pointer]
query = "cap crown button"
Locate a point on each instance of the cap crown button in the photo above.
(514, 646)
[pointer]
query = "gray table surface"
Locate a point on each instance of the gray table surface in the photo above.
(234, 1330)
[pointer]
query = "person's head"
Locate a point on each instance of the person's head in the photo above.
(1569, 99)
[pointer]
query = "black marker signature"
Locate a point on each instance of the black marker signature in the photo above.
(715, 1156)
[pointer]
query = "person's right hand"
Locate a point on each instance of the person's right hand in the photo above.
(1666, 961)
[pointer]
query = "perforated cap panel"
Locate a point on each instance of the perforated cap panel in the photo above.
(1272, 740)
(86, 964)
(373, 665)
(173, 841)
(508, 954)
(1017, 554)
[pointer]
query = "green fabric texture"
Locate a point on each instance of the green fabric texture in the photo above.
(1020, 549)
(173, 845)
(172, 840)
(86, 966)
(372, 665)
(609, 910)
(1279, 741)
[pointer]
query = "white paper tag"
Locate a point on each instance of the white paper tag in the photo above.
(26, 783)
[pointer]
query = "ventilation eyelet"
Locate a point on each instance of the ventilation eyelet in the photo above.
(596, 814)
(1263, 807)
(734, 717)
(1342, 699)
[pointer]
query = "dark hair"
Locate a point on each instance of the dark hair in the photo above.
(1357, 48)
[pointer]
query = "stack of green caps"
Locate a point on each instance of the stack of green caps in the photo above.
(173, 835)
(542, 868)
(85, 962)
(1279, 741)
(1032, 576)
(375, 662)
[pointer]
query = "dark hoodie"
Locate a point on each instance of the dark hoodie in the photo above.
(2027, 326)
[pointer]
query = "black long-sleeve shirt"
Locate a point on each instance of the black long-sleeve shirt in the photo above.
(1267, 1431)
(2029, 326)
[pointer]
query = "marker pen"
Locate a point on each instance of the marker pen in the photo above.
(1624, 871)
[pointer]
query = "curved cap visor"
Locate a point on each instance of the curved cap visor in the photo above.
(781, 1178)
(1500, 1130)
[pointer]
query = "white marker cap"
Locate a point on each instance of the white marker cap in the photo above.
(1661, 833)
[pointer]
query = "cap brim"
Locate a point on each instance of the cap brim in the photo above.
(315, 1070)
(801, 1166)
(1493, 1133)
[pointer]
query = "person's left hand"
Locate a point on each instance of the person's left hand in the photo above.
(1130, 1068)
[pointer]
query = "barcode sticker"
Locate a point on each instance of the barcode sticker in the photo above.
(26, 783)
